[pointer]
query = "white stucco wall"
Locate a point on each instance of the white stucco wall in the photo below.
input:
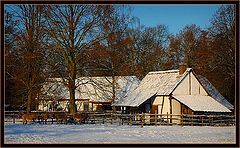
(158, 101)
(166, 105)
(203, 91)
(184, 89)
(176, 107)
(44, 106)
(63, 104)
(95, 107)
(176, 110)
(80, 106)
(196, 88)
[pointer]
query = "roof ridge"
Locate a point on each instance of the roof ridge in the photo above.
(167, 71)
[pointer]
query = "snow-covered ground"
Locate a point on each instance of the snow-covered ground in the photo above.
(105, 133)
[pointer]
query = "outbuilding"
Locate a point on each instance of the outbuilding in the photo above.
(91, 94)
(178, 91)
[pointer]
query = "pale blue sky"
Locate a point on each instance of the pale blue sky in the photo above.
(175, 16)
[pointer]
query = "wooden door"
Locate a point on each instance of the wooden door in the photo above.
(154, 109)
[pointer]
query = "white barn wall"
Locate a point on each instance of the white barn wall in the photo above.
(41, 107)
(94, 107)
(183, 87)
(80, 105)
(176, 109)
(166, 105)
(44, 106)
(195, 89)
(63, 104)
(158, 101)
(203, 91)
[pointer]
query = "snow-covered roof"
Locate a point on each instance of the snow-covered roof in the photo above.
(214, 93)
(154, 83)
(201, 103)
(95, 89)
(163, 83)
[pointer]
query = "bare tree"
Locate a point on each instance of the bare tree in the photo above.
(189, 43)
(222, 36)
(72, 29)
(10, 32)
(148, 46)
(111, 49)
(28, 53)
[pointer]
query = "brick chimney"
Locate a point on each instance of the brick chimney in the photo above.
(182, 68)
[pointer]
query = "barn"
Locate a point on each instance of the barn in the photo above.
(178, 91)
(91, 94)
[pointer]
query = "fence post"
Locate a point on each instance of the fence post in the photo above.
(202, 120)
(13, 117)
(221, 120)
(233, 120)
(120, 117)
(181, 119)
(130, 119)
(229, 117)
(103, 117)
(94, 117)
(111, 118)
(160, 119)
(122, 120)
(167, 119)
(212, 121)
(209, 118)
(142, 119)
(192, 120)
(155, 118)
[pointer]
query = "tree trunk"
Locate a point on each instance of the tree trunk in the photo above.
(72, 101)
(114, 93)
(29, 102)
(72, 87)
(113, 87)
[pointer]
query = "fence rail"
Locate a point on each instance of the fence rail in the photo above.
(141, 119)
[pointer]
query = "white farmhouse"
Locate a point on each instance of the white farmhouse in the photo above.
(91, 94)
(175, 92)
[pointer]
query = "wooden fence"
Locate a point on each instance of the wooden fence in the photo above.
(143, 119)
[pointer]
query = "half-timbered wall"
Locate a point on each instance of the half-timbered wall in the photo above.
(189, 86)
(176, 107)
(158, 102)
(163, 104)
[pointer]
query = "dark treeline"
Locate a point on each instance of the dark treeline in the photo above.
(70, 41)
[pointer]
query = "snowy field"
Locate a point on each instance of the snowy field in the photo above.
(90, 133)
